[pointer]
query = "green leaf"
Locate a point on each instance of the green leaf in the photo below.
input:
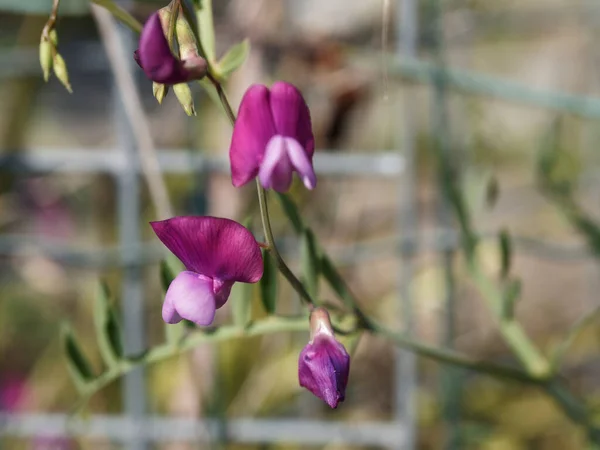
(336, 282)
(77, 364)
(268, 283)
(241, 303)
(206, 30)
(511, 294)
(108, 330)
(310, 262)
(492, 192)
(233, 59)
(505, 253)
(291, 211)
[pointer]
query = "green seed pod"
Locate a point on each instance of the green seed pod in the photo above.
(53, 37)
(60, 70)
(160, 91)
(184, 95)
(46, 58)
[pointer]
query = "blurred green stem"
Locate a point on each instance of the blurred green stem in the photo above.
(120, 14)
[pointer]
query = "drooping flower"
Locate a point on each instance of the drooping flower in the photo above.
(324, 364)
(154, 56)
(216, 253)
(272, 138)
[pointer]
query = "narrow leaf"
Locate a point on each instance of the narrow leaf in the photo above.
(505, 253)
(233, 59)
(241, 303)
(169, 268)
(77, 364)
(291, 211)
(336, 282)
(310, 262)
(268, 284)
(108, 330)
(511, 294)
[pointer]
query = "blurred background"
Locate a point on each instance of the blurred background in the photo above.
(522, 77)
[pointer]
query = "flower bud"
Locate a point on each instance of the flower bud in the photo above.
(160, 91)
(46, 57)
(60, 70)
(324, 364)
(184, 95)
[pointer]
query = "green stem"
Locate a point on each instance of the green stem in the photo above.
(120, 14)
(281, 265)
(514, 335)
(277, 324)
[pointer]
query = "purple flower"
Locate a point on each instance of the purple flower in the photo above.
(324, 364)
(154, 56)
(272, 138)
(216, 253)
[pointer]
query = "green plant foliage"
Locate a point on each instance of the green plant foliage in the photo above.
(108, 330)
(511, 294)
(505, 253)
(233, 59)
(268, 284)
(77, 364)
(310, 262)
(336, 281)
(206, 29)
(291, 211)
(241, 303)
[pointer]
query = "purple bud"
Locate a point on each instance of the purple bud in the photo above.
(324, 363)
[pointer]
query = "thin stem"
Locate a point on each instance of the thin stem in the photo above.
(281, 265)
(222, 97)
(120, 14)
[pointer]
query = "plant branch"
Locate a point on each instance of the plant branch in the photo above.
(281, 265)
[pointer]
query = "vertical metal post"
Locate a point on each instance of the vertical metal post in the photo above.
(132, 308)
(451, 383)
(405, 407)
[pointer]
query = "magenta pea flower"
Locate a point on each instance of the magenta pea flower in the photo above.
(272, 138)
(216, 253)
(154, 56)
(324, 364)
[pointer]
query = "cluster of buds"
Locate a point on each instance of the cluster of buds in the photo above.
(50, 59)
(166, 32)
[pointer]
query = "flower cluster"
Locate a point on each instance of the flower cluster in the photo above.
(272, 138)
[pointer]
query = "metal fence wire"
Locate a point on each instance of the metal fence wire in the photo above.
(134, 428)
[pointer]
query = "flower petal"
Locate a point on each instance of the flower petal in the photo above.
(301, 163)
(291, 115)
(215, 247)
(155, 57)
(276, 168)
(323, 369)
(253, 129)
(191, 296)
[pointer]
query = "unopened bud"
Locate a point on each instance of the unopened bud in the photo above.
(160, 91)
(184, 95)
(60, 70)
(53, 35)
(188, 48)
(46, 57)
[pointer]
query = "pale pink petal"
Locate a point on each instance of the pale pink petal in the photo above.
(301, 163)
(291, 115)
(214, 247)
(251, 133)
(192, 298)
(276, 169)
